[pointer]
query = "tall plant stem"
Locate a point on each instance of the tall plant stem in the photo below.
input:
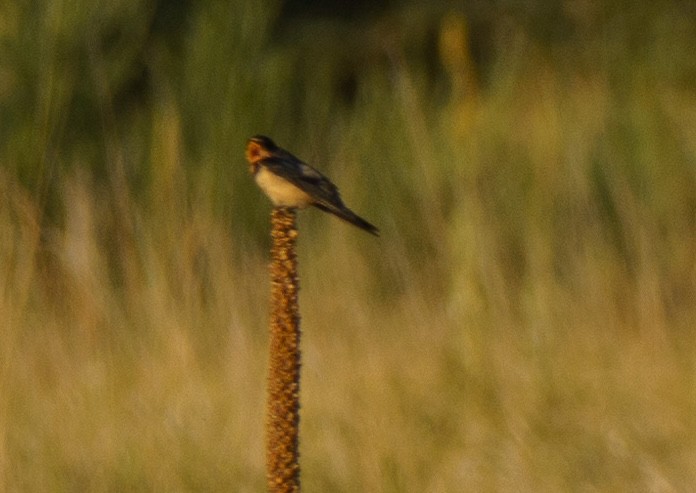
(283, 406)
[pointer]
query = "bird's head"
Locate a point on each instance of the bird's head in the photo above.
(258, 147)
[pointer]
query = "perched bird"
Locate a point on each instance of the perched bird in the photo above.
(289, 182)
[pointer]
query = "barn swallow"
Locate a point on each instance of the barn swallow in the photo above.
(290, 182)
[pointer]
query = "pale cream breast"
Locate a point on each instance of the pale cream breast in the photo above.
(280, 191)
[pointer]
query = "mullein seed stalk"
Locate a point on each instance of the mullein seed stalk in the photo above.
(283, 405)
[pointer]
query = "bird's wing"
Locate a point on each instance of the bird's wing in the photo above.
(324, 194)
(306, 178)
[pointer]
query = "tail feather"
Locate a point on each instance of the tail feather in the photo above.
(349, 216)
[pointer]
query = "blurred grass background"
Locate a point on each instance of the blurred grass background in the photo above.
(526, 322)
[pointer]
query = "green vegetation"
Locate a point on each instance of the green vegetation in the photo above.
(525, 322)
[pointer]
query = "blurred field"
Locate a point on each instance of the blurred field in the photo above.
(526, 322)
